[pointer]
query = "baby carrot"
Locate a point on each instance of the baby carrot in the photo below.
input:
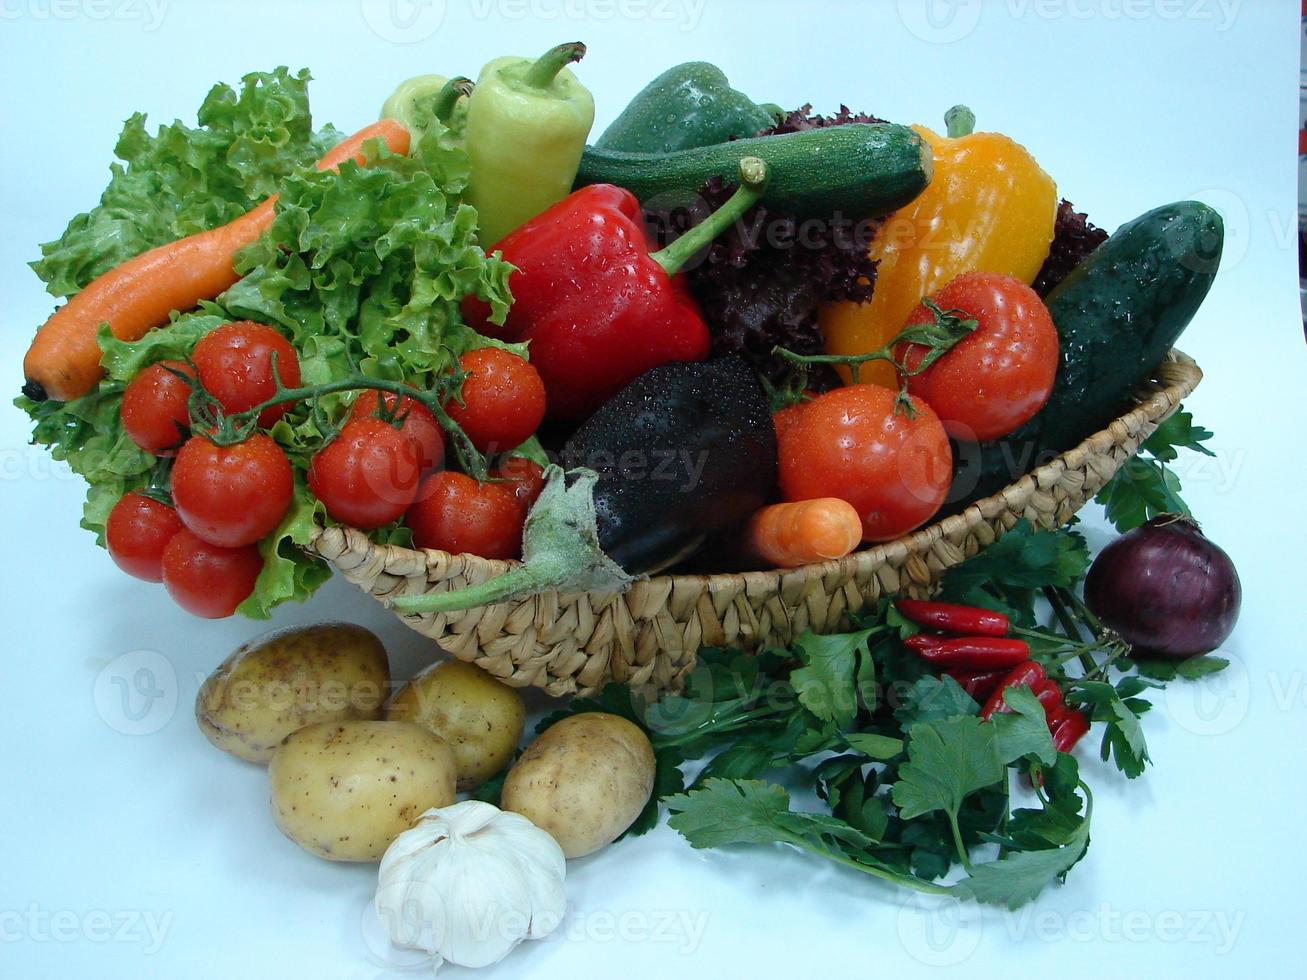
(790, 534)
(64, 360)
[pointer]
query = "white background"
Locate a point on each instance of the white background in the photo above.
(1196, 869)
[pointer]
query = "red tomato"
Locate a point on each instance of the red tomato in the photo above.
(851, 443)
(154, 410)
(419, 424)
(137, 531)
(503, 400)
(787, 416)
(207, 580)
(232, 495)
(454, 513)
(998, 376)
(235, 366)
(525, 478)
(368, 475)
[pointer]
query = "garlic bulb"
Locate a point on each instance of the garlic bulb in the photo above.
(469, 882)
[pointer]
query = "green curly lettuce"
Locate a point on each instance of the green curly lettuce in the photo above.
(363, 269)
(184, 179)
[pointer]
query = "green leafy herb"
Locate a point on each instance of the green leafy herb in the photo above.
(1023, 732)
(1144, 487)
(1019, 877)
(1009, 574)
(1191, 669)
(1119, 709)
(947, 761)
(825, 682)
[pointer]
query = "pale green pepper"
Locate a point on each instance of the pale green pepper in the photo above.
(527, 123)
(417, 99)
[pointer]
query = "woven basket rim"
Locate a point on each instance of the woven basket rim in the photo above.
(1154, 407)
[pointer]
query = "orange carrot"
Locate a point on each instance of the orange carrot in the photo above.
(791, 534)
(133, 298)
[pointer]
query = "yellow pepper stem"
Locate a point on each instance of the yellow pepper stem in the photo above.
(546, 68)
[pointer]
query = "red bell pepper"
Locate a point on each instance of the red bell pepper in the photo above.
(596, 306)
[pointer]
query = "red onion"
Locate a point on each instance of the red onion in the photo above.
(1165, 588)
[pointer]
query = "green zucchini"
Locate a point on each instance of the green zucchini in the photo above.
(858, 170)
(1117, 314)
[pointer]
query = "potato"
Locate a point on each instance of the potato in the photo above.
(583, 780)
(284, 680)
(480, 717)
(345, 790)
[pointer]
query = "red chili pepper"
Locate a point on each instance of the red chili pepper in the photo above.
(978, 683)
(950, 618)
(968, 651)
(598, 308)
(1026, 675)
(1069, 730)
(1049, 694)
(1056, 715)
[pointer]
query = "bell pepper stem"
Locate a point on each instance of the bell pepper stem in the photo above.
(753, 180)
(960, 121)
(546, 68)
(448, 97)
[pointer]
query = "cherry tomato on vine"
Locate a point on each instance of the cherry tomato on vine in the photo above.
(368, 475)
(419, 424)
(454, 513)
(137, 531)
(998, 376)
(234, 362)
(503, 399)
(207, 580)
(153, 410)
(525, 477)
(893, 466)
(232, 495)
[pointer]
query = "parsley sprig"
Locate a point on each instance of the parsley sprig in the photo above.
(849, 748)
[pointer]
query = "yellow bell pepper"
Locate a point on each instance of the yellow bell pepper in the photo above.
(988, 208)
(527, 122)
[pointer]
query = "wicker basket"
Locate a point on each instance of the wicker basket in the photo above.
(648, 635)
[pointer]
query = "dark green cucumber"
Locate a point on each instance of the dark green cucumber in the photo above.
(856, 171)
(1117, 314)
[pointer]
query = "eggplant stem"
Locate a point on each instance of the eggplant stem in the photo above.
(521, 580)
